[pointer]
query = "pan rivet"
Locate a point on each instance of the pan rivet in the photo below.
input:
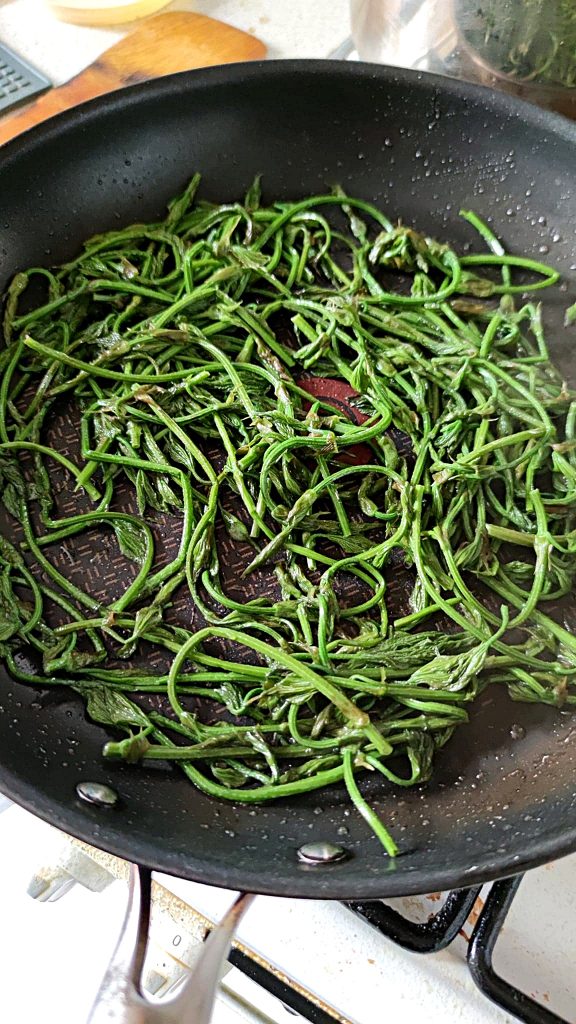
(321, 853)
(97, 793)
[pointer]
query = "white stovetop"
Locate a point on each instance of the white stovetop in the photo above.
(53, 955)
(289, 28)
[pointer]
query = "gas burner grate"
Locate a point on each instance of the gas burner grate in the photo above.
(286, 992)
(435, 934)
(18, 80)
(480, 950)
(429, 937)
(443, 927)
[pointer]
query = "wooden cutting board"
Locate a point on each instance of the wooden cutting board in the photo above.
(176, 41)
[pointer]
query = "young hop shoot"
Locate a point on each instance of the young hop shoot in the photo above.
(190, 354)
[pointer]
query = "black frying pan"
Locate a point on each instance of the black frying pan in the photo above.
(421, 147)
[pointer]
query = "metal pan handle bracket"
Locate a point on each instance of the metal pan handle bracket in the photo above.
(120, 999)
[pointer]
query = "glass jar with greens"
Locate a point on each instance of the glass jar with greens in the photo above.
(527, 47)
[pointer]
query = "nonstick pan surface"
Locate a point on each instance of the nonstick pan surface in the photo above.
(421, 147)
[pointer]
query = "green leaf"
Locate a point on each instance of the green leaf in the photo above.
(12, 498)
(9, 616)
(134, 432)
(179, 453)
(452, 671)
(229, 776)
(10, 554)
(202, 552)
(353, 544)
(247, 259)
(169, 500)
(132, 749)
(145, 495)
(235, 528)
(232, 697)
(179, 206)
(257, 741)
(480, 287)
(418, 596)
(70, 661)
(131, 539)
(253, 195)
(420, 750)
(449, 434)
(403, 651)
(360, 376)
(389, 450)
(40, 490)
(146, 618)
(357, 225)
(110, 707)
(12, 486)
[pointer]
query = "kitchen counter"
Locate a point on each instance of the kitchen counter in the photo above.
(289, 28)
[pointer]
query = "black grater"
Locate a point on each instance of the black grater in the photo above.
(18, 80)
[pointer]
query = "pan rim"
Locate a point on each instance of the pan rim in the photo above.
(225, 73)
(336, 883)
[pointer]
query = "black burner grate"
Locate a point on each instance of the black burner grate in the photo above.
(435, 934)
(480, 949)
(430, 937)
(293, 999)
(442, 929)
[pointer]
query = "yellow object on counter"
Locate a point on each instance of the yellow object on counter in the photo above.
(104, 12)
